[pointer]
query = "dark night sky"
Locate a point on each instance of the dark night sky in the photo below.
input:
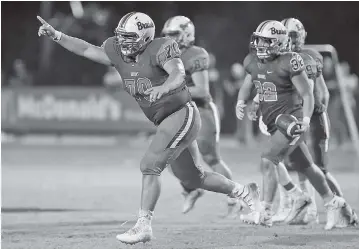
(225, 27)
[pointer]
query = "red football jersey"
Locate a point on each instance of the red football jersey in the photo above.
(148, 72)
(313, 62)
(195, 59)
(272, 79)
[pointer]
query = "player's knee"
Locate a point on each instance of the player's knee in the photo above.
(301, 165)
(267, 164)
(150, 165)
(268, 158)
(194, 182)
(324, 170)
(211, 159)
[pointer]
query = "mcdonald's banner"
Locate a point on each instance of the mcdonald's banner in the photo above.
(70, 110)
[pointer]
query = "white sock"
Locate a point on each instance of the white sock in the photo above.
(295, 191)
(145, 217)
(309, 189)
(239, 191)
(285, 200)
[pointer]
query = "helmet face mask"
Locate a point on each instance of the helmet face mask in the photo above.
(134, 31)
(296, 33)
(128, 42)
(296, 40)
(266, 47)
(269, 40)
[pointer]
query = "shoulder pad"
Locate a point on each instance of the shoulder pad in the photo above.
(110, 48)
(195, 59)
(313, 53)
(317, 57)
(292, 62)
(165, 50)
(195, 51)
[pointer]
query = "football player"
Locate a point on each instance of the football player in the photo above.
(153, 74)
(319, 126)
(196, 61)
(284, 92)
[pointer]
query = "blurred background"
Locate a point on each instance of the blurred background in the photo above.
(46, 89)
(72, 141)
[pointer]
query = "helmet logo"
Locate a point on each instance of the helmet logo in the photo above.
(275, 31)
(147, 25)
(184, 26)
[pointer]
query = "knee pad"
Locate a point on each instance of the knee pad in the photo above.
(151, 165)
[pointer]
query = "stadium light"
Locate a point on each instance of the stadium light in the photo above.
(77, 9)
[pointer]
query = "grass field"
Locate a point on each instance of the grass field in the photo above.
(81, 196)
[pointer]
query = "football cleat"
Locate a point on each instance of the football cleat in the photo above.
(249, 195)
(235, 206)
(190, 199)
(335, 217)
(141, 232)
(263, 218)
(300, 206)
(349, 218)
(354, 221)
(281, 215)
(309, 217)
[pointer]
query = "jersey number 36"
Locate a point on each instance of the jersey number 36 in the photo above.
(267, 91)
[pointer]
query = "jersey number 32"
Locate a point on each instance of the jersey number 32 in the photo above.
(267, 91)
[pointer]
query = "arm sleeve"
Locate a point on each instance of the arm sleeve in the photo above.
(168, 51)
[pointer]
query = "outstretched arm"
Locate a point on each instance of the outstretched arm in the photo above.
(74, 45)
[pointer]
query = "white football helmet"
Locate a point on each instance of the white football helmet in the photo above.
(269, 39)
(181, 29)
(296, 33)
(134, 31)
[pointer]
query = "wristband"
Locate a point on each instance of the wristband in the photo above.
(306, 120)
(57, 36)
(240, 102)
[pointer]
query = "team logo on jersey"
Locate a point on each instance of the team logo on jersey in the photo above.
(147, 25)
(261, 76)
(275, 31)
